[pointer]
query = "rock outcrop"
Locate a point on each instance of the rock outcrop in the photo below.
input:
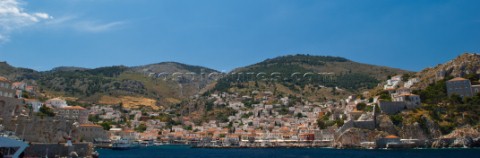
(464, 137)
(353, 137)
(384, 123)
(464, 64)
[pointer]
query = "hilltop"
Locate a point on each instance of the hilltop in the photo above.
(317, 78)
(462, 66)
(308, 76)
(131, 86)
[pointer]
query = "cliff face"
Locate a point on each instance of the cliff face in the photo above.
(384, 123)
(425, 129)
(466, 131)
(462, 137)
(352, 138)
(413, 131)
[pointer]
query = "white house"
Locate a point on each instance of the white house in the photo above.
(393, 82)
(56, 103)
(34, 103)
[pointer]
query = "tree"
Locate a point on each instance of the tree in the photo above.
(106, 125)
(455, 99)
(385, 95)
(472, 77)
(299, 115)
(405, 77)
(321, 124)
(141, 128)
(46, 111)
(361, 106)
(339, 122)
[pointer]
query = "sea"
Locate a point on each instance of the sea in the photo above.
(180, 151)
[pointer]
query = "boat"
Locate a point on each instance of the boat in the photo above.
(146, 143)
(158, 143)
(125, 144)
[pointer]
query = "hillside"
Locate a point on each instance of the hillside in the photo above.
(307, 75)
(104, 85)
(462, 66)
(317, 78)
(449, 113)
(11, 72)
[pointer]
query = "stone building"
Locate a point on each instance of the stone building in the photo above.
(91, 132)
(76, 113)
(411, 99)
(459, 86)
(386, 141)
(6, 89)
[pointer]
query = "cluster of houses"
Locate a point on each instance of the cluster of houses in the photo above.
(18, 111)
(401, 96)
(281, 121)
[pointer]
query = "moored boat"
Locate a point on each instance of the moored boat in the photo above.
(124, 144)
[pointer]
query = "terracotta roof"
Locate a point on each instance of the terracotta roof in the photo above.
(74, 108)
(408, 95)
(129, 131)
(90, 125)
(458, 79)
(55, 99)
(391, 136)
(4, 79)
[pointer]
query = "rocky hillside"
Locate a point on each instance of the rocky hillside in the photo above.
(307, 75)
(462, 66)
(168, 83)
(164, 83)
(11, 72)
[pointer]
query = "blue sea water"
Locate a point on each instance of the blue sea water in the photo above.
(175, 151)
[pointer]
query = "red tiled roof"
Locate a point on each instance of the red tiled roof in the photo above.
(90, 125)
(74, 108)
(4, 79)
(458, 79)
(391, 136)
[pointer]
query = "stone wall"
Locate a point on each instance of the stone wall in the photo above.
(40, 150)
(14, 116)
(370, 124)
(391, 108)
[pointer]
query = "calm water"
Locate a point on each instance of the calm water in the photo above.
(186, 152)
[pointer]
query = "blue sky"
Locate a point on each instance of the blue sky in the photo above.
(225, 34)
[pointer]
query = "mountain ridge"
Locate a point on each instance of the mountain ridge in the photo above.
(150, 81)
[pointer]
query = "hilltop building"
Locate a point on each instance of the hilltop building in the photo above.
(6, 89)
(76, 113)
(393, 82)
(462, 87)
(402, 99)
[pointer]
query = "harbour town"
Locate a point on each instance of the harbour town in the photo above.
(391, 116)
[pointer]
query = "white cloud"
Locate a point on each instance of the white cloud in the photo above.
(13, 17)
(79, 23)
(42, 15)
(92, 26)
